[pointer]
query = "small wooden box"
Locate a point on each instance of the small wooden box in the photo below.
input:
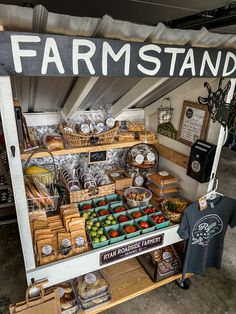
(121, 179)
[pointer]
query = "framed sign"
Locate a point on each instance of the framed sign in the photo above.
(131, 249)
(193, 123)
(100, 156)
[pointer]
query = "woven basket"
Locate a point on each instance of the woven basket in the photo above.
(80, 139)
(174, 216)
(84, 195)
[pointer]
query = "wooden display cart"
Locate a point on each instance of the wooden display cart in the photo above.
(126, 277)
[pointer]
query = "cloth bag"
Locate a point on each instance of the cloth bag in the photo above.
(46, 303)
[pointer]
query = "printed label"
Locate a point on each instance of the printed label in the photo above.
(139, 159)
(79, 241)
(206, 228)
(85, 128)
(163, 173)
(90, 278)
(150, 157)
(66, 242)
(139, 181)
(61, 292)
(110, 122)
(47, 249)
(115, 175)
(196, 167)
(166, 255)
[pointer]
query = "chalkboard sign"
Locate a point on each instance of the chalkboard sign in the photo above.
(100, 156)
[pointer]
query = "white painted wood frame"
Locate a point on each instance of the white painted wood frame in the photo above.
(11, 139)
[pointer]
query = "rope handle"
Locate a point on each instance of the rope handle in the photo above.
(37, 151)
(164, 100)
(27, 294)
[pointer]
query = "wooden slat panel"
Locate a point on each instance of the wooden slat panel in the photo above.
(113, 271)
(172, 155)
(126, 285)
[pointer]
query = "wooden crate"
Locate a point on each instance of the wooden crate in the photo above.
(121, 183)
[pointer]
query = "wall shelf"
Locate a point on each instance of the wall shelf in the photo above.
(86, 149)
(90, 261)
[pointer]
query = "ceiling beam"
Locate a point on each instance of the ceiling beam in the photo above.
(81, 89)
(133, 96)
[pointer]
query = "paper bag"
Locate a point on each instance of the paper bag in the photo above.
(46, 303)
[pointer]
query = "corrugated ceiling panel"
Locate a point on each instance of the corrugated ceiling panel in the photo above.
(71, 25)
(49, 95)
(122, 30)
(107, 90)
(16, 18)
(161, 91)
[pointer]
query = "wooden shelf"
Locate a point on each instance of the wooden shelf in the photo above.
(128, 280)
(86, 149)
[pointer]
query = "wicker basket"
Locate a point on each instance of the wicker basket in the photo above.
(49, 178)
(181, 205)
(83, 195)
(80, 139)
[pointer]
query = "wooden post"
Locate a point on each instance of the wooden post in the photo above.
(11, 138)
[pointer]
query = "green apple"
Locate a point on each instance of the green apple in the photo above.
(97, 224)
(103, 238)
(89, 222)
(100, 229)
(93, 215)
(108, 222)
(110, 217)
(89, 227)
(100, 232)
(85, 215)
(96, 240)
(93, 233)
(94, 228)
(113, 222)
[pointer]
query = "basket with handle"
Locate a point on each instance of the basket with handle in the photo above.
(40, 187)
(164, 114)
(80, 139)
(49, 176)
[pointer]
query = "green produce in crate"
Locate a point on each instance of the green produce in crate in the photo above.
(110, 220)
(89, 215)
(171, 207)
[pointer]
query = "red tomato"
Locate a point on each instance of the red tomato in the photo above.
(103, 212)
(119, 209)
(136, 215)
(130, 229)
(144, 224)
(150, 210)
(158, 218)
(87, 206)
(113, 233)
(122, 218)
(101, 203)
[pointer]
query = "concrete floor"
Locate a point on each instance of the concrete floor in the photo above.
(213, 292)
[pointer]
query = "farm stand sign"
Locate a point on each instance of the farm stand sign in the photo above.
(131, 249)
(53, 55)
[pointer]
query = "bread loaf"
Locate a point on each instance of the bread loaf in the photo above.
(54, 142)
